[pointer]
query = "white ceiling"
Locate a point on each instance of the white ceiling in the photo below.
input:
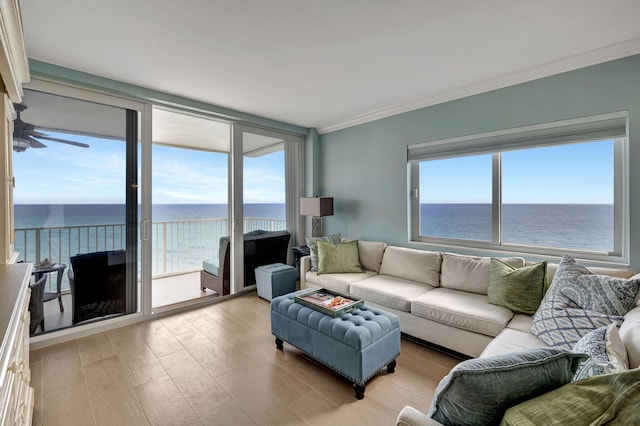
(328, 64)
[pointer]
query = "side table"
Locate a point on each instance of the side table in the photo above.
(58, 268)
(299, 252)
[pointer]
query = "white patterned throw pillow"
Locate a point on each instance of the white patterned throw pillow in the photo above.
(579, 302)
(606, 351)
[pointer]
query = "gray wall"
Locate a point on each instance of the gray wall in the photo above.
(364, 167)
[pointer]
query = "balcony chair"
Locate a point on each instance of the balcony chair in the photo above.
(260, 248)
(36, 305)
(98, 284)
(215, 277)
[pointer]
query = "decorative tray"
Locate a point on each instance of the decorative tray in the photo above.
(328, 302)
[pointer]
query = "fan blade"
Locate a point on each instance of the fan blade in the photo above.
(35, 133)
(49, 138)
(34, 143)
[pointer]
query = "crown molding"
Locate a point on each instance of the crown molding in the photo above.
(593, 57)
(14, 67)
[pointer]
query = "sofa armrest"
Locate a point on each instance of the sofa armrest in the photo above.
(409, 416)
(305, 265)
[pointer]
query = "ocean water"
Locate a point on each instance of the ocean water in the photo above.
(578, 226)
(55, 215)
(554, 225)
(180, 246)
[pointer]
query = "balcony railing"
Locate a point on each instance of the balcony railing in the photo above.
(178, 246)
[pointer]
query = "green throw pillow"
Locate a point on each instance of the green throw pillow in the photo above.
(608, 399)
(342, 258)
(519, 289)
(478, 391)
(312, 242)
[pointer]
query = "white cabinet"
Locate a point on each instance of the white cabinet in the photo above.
(16, 405)
(14, 72)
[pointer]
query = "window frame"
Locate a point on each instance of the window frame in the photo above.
(612, 126)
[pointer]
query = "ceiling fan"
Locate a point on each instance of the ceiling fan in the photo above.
(26, 136)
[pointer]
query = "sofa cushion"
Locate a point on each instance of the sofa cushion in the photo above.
(460, 309)
(511, 340)
(312, 242)
(519, 289)
(607, 399)
(521, 322)
(630, 333)
(393, 292)
(470, 273)
(338, 259)
(371, 253)
(606, 352)
(212, 266)
(337, 282)
(613, 272)
(411, 264)
(478, 391)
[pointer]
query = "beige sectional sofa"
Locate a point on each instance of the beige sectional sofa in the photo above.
(441, 298)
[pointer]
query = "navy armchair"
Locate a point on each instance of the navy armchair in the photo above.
(98, 284)
(260, 248)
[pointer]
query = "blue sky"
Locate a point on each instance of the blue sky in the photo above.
(579, 173)
(64, 174)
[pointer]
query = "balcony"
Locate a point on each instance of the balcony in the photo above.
(178, 249)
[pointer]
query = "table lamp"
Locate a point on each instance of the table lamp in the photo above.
(316, 207)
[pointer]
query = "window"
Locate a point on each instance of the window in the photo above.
(455, 198)
(544, 189)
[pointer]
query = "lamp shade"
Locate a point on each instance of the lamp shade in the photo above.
(316, 206)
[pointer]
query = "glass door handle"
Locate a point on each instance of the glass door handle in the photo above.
(144, 230)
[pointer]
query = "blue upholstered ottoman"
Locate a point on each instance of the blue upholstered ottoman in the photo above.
(356, 345)
(275, 280)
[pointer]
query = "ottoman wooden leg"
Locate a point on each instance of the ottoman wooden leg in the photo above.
(279, 343)
(359, 390)
(391, 367)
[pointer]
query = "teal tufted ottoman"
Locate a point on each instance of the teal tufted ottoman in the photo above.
(356, 345)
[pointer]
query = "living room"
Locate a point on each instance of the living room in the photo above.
(360, 157)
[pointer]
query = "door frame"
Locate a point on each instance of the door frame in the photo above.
(294, 185)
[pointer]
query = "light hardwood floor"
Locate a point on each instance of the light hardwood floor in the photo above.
(216, 365)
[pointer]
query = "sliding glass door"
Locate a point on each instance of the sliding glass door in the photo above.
(204, 245)
(267, 171)
(153, 203)
(75, 201)
(190, 210)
